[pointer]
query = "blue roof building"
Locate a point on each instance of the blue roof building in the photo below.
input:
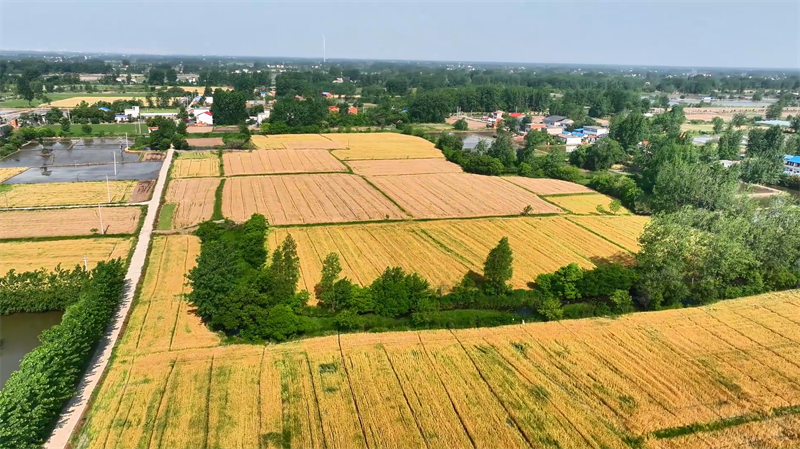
(783, 123)
(104, 109)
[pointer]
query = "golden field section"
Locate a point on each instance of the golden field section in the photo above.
(295, 142)
(454, 195)
(403, 167)
(623, 231)
(383, 146)
(65, 193)
(194, 199)
(586, 204)
(197, 164)
(300, 199)
(75, 101)
(27, 256)
(444, 251)
(68, 222)
(280, 161)
(10, 172)
(542, 186)
(595, 383)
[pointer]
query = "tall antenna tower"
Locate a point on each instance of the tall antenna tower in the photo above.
(323, 49)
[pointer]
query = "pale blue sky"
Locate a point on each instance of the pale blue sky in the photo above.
(676, 33)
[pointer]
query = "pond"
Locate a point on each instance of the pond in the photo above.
(19, 334)
(69, 152)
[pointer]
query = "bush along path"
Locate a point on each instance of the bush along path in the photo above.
(77, 406)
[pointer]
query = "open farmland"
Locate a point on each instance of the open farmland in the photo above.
(444, 251)
(586, 204)
(280, 161)
(196, 164)
(75, 101)
(383, 146)
(454, 195)
(194, 200)
(624, 232)
(299, 199)
(68, 222)
(26, 256)
(10, 172)
(65, 193)
(403, 167)
(594, 383)
(295, 142)
(542, 186)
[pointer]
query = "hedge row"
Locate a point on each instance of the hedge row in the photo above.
(40, 290)
(32, 399)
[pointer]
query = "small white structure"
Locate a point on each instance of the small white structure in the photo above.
(132, 112)
(119, 118)
(209, 100)
(791, 164)
(205, 118)
(598, 131)
(557, 121)
(569, 139)
(263, 116)
(554, 131)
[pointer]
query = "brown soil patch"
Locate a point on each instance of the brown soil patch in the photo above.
(205, 142)
(142, 191)
(153, 156)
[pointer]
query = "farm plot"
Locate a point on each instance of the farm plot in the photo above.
(443, 251)
(68, 222)
(280, 161)
(590, 383)
(65, 193)
(294, 142)
(204, 142)
(454, 195)
(194, 200)
(370, 146)
(299, 199)
(27, 256)
(75, 101)
(623, 231)
(403, 167)
(10, 172)
(197, 164)
(592, 204)
(542, 186)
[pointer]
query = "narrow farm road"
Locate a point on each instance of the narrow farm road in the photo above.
(76, 408)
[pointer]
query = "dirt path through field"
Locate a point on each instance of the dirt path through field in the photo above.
(78, 405)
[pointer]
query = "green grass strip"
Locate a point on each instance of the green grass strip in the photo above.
(217, 215)
(724, 423)
(165, 219)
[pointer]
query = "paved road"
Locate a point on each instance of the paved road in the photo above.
(77, 406)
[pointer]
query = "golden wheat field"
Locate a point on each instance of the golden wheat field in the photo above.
(308, 198)
(65, 193)
(75, 101)
(624, 232)
(586, 204)
(403, 167)
(196, 164)
(194, 199)
(68, 222)
(10, 172)
(27, 256)
(593, 383)
(382, 146)
(444, 251)
(294, 142)
(280, 161)
(454, 195)
(542, 186)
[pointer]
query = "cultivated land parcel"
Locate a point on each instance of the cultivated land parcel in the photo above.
(383, 200)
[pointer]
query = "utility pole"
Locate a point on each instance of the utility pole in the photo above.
(115, 165)
(85, 263)
(108, 190)
(100, 213)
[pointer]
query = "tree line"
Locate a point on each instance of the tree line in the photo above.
(41, 290)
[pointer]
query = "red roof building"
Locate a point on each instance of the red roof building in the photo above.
(516, 115)
(332, 109)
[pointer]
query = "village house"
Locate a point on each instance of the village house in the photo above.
(557, 121)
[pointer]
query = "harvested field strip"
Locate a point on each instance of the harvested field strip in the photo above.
(68, 222)
(206, 142)
(194, 199)
(453, 195)
(280, 161)
(27, 256)
(65, 193)
(542, 186)
(194, 165)
(294, 141)
(586, 204)
(75, 101)
(10, 172)
(623, 231)
(675, 378)
(382, 146)
(445, 250)
(403, 167)
(301, 199)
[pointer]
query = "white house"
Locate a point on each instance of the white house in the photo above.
(205, 118)
(598, 131)
(569, 139)
(132, 112)
(209, 100)
(119, 118)
(557, 121)
(791, 164)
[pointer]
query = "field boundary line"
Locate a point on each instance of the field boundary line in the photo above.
(405, 396)
(441, 382)
(67, 237)
(494, 393)
(598, 234)
(350, 385)
(764, 327)
(260, 373)
(316, 400)
(418, 220)
(181, 298)
(724, 423)
(73, 206)
(208, 402)
(160, 405)
(385, 195)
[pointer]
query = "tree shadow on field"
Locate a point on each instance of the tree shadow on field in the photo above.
(622, 257)
(477, 278)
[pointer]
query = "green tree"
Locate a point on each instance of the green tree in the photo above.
(603, 154)
(729, 144)
(510, 124)
(739, 119)
(64, 124)
(461, 125)
(503, 150)
(171, 76)
(774, 111)
(396, 293)
(764, 162)
(86, 129)
(498, 269)
(681, 183)
(282, 275)
(629, 129)
(331, 269)
(229, 107)
(794, 123)
(718, 123)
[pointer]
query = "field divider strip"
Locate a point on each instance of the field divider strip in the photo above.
(260, 398)
(208, 402)
(405, 396)
(599, 235)
(352, 394)
(316, 401)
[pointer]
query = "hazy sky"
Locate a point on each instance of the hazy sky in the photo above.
(684, 33)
